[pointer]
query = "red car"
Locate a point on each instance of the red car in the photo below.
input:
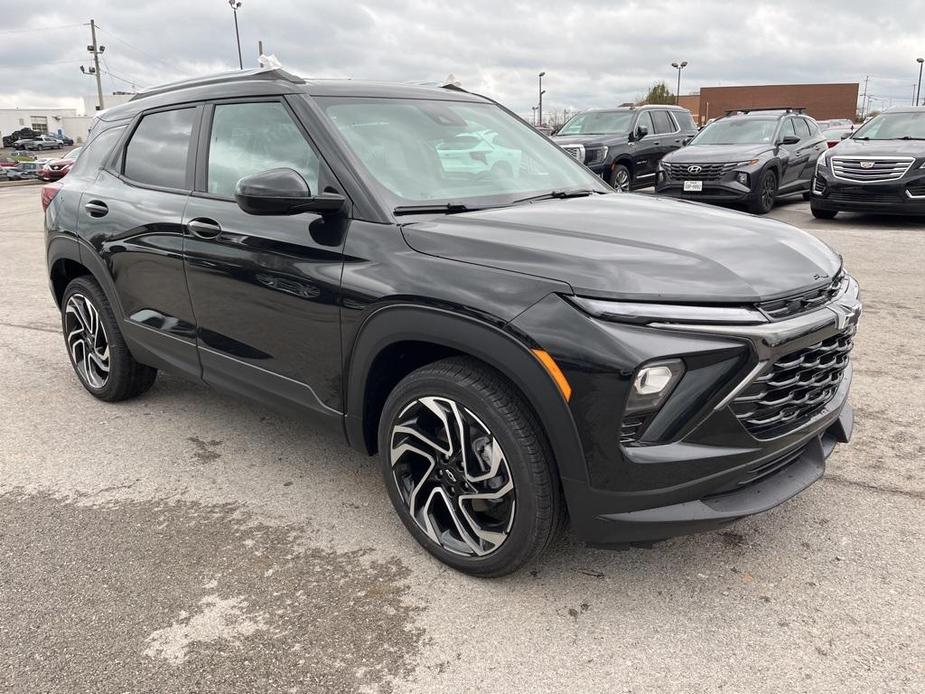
(58, 168)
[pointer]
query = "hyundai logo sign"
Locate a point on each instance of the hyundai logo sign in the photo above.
(695, 169)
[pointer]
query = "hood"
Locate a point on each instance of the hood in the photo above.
(631, 246)
(609, 139)
(717, 154)
(875, 148)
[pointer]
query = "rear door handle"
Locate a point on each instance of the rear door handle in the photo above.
(96, 208)
(204, 228)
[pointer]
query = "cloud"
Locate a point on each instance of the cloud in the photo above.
(595, 52)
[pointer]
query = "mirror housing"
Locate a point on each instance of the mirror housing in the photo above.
(282, 191)
(641, 132)
(789, 140)
(845, 136)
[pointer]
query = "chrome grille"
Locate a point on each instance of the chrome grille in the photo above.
(916, 190)
(802, 303)
(577, 151)
(871, 169)
(701, 172)
(795, 388)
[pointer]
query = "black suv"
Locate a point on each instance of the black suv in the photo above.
(880, 168)
(515, 342)
(748, 157)
(624, 145)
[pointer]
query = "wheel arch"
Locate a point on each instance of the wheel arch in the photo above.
(382, 346)
(69, 258)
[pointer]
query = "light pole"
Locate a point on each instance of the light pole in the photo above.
(540, 113)
(235, 6)
(918, 90)
(678, 67)
(534, 115)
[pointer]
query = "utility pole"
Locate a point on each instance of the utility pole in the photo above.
(864, 98)
(918, 91)
(96, 50)
(542, 91)
(259, 51)
(235, 6)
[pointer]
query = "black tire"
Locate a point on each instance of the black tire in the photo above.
(765, 195)
(820, 213)
(537, 511)
(808, 195)
(126, 378)
(621, 178)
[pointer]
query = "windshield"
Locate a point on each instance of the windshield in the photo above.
(737, 131)
(599, 123)
(435, 152)
(894, 126)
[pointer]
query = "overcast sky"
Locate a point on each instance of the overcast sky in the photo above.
(594, 52)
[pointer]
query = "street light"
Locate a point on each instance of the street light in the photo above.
(542, 91)
(678, 67)
(235, 6)
(918, 91)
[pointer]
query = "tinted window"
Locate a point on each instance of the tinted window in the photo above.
(91, 156)
(786, 128)
(645, 120)
(250, 138)
(598, 123)
(663, 122)
(737, 131)
(813, 128)
(684, 120)
(156, 154)
(801, 127)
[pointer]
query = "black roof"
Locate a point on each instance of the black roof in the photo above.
(270, 82)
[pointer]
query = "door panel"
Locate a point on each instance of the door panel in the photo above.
(264, 288)
(647, 151)
(789, 156)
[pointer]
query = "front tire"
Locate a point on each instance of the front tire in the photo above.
(820, 213)
(468, 469)
(621, 178)
(766, 194)
(95, 346)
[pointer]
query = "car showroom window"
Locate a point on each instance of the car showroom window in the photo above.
(157, 153)
(801, 127)
(249, 138)
(92, 155)
(663, 122)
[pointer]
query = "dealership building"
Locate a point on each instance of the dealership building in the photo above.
(821, 101)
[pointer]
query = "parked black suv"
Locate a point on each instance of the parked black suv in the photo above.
(880, 168)
(624, 145)
(748, 157)
(514, 343)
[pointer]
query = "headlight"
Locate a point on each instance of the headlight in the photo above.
(642, 313)
(821, 162)
(595, 155)
(750, 162)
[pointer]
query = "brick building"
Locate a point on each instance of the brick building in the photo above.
(821, 101)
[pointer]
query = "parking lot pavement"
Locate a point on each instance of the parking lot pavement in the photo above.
(186, 541)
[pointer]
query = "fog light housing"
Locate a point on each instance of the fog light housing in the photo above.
(742, 178)
(652, 385)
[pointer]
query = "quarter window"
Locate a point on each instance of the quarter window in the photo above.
(787, 128)
(157, 153)
(92, 155)
(801, 127)
(249, 138)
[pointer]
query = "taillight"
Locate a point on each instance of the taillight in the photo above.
(832, 143)
(49, 192)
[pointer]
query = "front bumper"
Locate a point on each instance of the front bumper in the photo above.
(724, 190)
(903, 197)
(706, 468)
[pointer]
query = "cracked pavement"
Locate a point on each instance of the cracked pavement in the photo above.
(188, 541)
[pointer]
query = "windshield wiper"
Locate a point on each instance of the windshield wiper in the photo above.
(909, 137)
(557, 194)
(438, 208)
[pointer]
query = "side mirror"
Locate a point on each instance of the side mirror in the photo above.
(789, 140)
(845, 136)
(282, 192)
(641, 131)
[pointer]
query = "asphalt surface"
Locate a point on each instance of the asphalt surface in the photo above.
(186, 541)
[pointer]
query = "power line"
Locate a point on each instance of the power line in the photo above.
(136, 48)
(25, 31)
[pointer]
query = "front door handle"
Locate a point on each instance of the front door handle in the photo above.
(204, 228)
(96, 208)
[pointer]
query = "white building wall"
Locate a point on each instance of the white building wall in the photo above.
(12, 119)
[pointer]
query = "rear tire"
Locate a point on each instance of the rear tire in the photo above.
(468, 469)
(95, 346)
(765, 196)
(820, 213)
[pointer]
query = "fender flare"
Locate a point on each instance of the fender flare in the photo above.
(65, 247)
(497, 348)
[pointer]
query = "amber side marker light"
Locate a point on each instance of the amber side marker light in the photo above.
(553, 369)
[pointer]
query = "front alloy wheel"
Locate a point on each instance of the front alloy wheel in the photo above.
(621, 178)
(452, 476)
(87, 342)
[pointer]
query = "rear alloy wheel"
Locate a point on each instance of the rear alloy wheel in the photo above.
(467, 469)
(620, 178)
(763, 200)
(95, 345)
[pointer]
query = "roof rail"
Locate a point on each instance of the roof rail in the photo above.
(785, 109)
(262, 73)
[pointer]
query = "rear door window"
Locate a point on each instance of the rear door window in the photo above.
(158, 152)
(801, 127)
